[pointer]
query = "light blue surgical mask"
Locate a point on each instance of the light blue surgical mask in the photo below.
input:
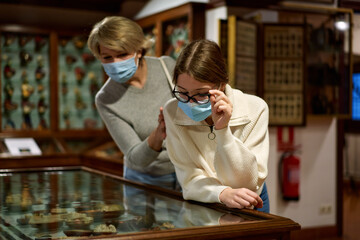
(195, 111)
(121, 71)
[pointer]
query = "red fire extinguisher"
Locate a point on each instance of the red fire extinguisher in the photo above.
(289, 174)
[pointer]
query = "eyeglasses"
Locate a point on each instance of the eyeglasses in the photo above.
(199, 98)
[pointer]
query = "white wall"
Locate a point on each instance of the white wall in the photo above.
(317, 175)
(212, 17)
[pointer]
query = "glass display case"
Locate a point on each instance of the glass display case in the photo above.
(92, 205)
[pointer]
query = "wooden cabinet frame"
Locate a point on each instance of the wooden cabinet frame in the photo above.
(196, 20)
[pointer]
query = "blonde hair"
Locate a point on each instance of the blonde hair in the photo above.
(119, 34)
(202, 60)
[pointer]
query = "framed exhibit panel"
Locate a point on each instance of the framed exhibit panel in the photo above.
(242, 54)
(268, 60)
(283, 73)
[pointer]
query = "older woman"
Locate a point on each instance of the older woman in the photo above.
(130, 102)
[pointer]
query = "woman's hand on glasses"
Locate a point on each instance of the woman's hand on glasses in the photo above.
(157, 136)
(221, 109)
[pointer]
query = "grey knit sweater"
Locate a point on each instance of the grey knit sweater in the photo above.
(131, 114)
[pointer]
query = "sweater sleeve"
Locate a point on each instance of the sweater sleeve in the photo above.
(243, 159)
(239, 160)
(136, 151)
(192, 175)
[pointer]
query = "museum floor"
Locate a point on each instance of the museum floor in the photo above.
(351, 210)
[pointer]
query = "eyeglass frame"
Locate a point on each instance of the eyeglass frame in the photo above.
(191, 97)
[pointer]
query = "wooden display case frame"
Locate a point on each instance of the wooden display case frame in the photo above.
(195, 13)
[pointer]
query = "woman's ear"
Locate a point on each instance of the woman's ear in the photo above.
(139, 54)
(222, 87)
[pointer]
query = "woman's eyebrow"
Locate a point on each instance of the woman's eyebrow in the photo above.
(204, 88)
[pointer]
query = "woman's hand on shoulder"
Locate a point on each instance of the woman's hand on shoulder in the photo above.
(221, 109)
(240, 198)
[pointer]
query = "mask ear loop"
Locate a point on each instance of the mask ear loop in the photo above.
(211, 134)
(137, 62)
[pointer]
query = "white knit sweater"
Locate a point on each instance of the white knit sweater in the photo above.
(236, 158)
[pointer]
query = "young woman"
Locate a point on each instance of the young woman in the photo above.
(217, 137)
(130, 101)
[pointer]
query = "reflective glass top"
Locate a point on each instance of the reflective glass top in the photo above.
(57, 204)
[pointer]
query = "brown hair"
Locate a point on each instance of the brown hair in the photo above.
(202, 60)
(117, 33)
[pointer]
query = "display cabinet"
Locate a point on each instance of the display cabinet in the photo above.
(303, 66)
(48, 84)
(48, 81)
(88, 204)
(25, 80)
(328, 58)
(329, 81)
(172, 29)
(242, 53)
(106, 157)
(283, 73)
(268, 60)
(80, 76)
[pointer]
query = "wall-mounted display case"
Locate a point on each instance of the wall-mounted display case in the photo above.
(268, 60)
(80, 76)
(328, 59)
(283, 73)
(48, 81)
(303, 63)
(172, 29)
(242, 53)
(25, 81)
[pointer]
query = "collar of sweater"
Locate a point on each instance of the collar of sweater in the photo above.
(239, 115)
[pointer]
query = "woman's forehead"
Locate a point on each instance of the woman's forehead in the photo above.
(188, 82)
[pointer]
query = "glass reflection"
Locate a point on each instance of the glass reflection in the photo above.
(50, 205)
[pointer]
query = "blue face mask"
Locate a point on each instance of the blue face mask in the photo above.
(121, 71)
(196, 112)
